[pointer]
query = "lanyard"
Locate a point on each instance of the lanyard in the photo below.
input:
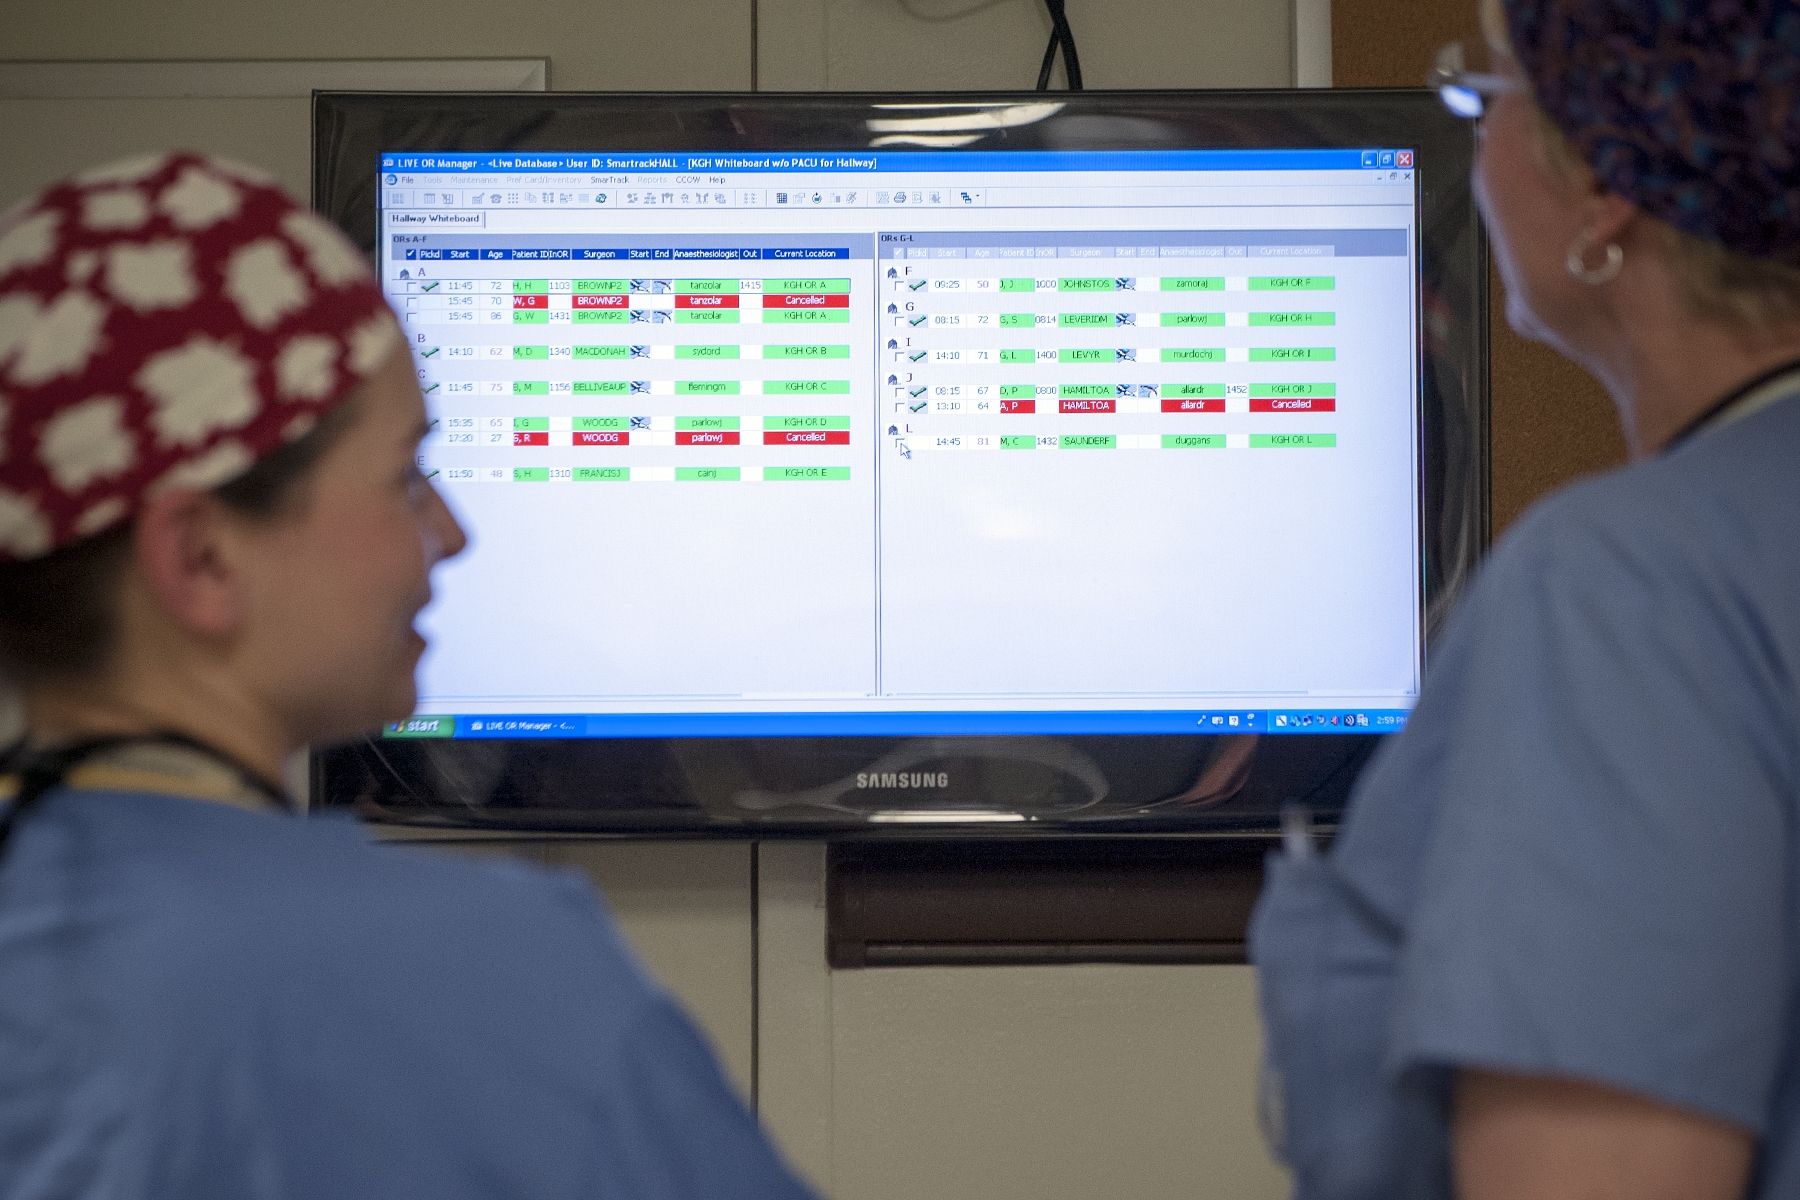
(43, 771)
(1739, 402)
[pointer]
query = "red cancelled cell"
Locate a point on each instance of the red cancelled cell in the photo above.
(603, 439)
(1306, 404)
(706, 437)
(1087, 406)
(531, 302)
(1193, 406)
(601, 300)
(1018, 406)
(806, 300)
(531, 439)
(807, 437)
(705, 301)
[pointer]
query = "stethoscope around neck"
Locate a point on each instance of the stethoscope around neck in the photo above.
(42, 771)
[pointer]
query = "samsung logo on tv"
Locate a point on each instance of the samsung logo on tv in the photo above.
(904, 779)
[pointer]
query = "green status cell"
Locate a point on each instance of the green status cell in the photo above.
(1293, 354)
(1020, 441)
(531, 387)
(806, 421)
(599, 424)
(603, 316)
(1087, 283)
(1193, 354)
(1268, 391)
(609, 287)
(1278, 441)
(1293, 283)
(707, 474)
(797, 474)
(600, 387)
(709, 387)
(599, 353)
(806, 316)
(1193, 391)
(531, 424)
(1018, 356)
(1192, 320)
(689, 287)
(1087, 441)
(601, 474)
(530, 316)
(1086, 356)
(689, 423)
(1085, 320)
(1193, 283)
(707, 316)
(1018, 320)
(530, 287)
(531, 474)
(807, 350)
(714, 351)
(1293, 320)
(530, 352)
(806, 387)
(1017, 391)
(1193, 441)
(1016, 284)
(798, 284)
(1085, 391)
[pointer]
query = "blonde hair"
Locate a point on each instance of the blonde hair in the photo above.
(1717, 283)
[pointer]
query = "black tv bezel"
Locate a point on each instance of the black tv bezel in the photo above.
(1201, 784)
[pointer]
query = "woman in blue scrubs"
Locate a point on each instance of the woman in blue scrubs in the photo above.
(1555, 950)
(214, 542)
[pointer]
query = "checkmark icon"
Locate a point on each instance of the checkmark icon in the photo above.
(916, 286)
(915, 321)
(431, 475)
(428, 287)
(432, 388)
(919, 407)
(916, 357)
(916, 392)
(429, 351)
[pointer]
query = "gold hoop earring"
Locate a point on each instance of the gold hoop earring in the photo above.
(1579, 270)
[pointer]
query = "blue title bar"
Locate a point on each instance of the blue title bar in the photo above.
(872, 162)
(625, 254)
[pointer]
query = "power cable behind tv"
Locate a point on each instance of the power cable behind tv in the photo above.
(1061, 36)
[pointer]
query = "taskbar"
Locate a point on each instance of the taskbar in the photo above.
(512, 726)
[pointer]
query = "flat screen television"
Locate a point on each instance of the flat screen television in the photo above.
(847, 464)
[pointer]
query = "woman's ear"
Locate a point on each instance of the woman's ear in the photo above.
(181, 547)
(1608, 217)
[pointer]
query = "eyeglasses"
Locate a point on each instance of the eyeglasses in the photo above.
(1464, 92)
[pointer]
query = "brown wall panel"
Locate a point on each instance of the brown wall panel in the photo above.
(1551, 422)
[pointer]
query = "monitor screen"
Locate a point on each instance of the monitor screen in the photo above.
(1001, 429)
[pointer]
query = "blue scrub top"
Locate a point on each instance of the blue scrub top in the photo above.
(204, 1002)
(1582, 858)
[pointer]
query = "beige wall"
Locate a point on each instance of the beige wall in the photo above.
(623, 45)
